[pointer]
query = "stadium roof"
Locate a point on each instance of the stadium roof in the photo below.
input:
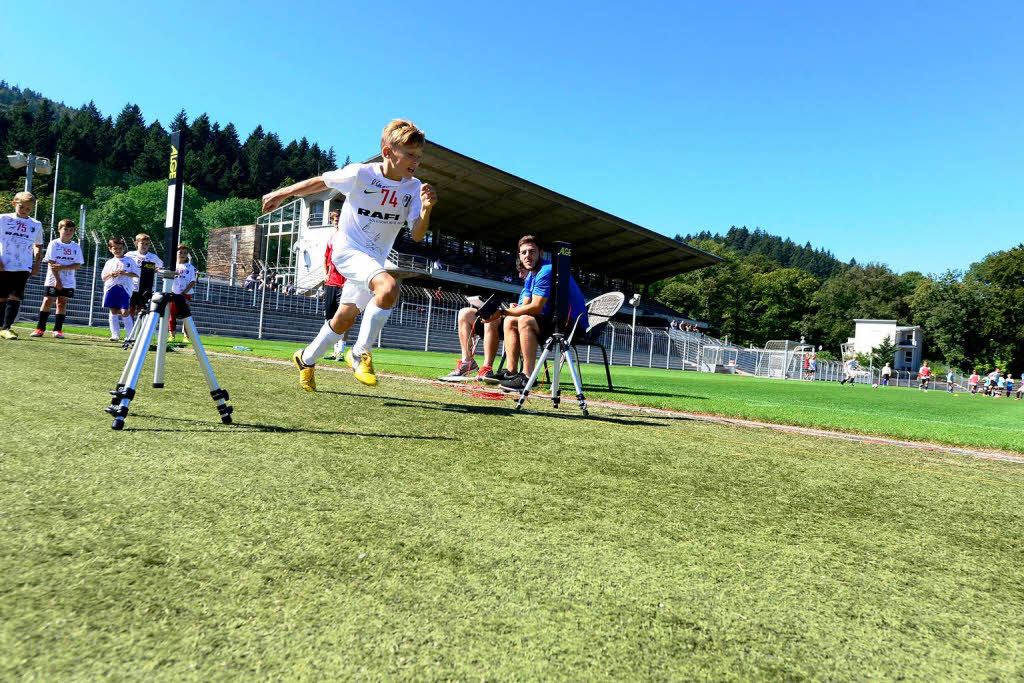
(477, 201)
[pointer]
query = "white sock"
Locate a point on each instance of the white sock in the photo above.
(325, 338)
(373, 322)
(128, 325)
(339, 348)
(115, 325)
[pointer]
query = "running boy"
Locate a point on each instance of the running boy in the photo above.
(925, 375)
(973, 381)
(148, 263)
(119, 275)
(21, 239)
(380, 200)
(63, 258)
(184, 283)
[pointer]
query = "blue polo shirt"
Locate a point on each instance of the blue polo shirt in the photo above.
(539, 284)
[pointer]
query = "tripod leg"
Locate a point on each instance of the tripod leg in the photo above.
(130, 339)
(125, 395)
(220, 396)
(132, 357)
(161, 348)
(556, 388)
(576, 381)
(536, 372)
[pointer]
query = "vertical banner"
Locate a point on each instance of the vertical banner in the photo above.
(175, 195)
(561, 271)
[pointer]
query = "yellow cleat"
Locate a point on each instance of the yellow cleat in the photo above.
(306, 379)
(363, 370)
(7, 334)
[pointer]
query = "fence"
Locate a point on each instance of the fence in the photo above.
(426, 320)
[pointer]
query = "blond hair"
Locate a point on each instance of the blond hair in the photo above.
(66, 223)
(23, 197)
(401, 133)
(142, 236)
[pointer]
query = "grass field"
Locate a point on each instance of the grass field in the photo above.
(903, 413)
(410, 530)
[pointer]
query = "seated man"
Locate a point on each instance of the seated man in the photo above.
(532, 321)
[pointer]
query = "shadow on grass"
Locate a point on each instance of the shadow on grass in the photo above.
(603, 390)
(267, 429)
(569, 405)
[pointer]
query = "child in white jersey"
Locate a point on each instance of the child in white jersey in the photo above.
(148, 263)
(181, 288)
(21, 239)
(63, 258)
(380, 199)
(118, 276)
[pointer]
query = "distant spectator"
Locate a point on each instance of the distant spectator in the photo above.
(1009, 385)
(886, 374)
(252, 281)
(290, 289)
(950, 380)
(674, 325)
(437, 264)
(973, 382)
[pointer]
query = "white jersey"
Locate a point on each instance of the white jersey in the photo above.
(63, 254)
(115, 264)
(183, 275)
(375, 208)
(148, 264)
(17, 235)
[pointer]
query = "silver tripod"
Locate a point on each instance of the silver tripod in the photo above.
(556, 346)
(155, 322)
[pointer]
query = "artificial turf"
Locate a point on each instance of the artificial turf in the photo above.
(410, 530)
(903, 413)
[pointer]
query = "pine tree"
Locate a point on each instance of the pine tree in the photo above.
(129, 138)
(152, 160)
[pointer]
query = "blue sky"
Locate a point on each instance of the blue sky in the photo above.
(887, 131)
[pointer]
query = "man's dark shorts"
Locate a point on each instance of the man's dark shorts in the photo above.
(478, 328)
(332, 295)
(546, 325)
(12, 283)
(141, 299)
(58, 292)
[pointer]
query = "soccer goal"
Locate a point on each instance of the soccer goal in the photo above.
(782, 358)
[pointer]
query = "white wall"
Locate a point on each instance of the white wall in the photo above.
(871, 335)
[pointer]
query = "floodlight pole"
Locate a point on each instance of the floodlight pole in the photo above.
(53, 201)
(29, 169)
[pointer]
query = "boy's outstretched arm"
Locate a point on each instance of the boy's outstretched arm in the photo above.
(428, 198)
(272, 200)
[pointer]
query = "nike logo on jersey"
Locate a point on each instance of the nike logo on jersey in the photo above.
(369, 191)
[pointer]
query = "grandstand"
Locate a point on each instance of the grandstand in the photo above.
(469, 248)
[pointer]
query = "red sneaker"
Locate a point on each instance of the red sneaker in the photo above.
(484, 371)
(57, 334)
(36, 333)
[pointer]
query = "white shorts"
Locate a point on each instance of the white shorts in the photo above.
(358, 269)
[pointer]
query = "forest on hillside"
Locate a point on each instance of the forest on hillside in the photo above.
(971, 318)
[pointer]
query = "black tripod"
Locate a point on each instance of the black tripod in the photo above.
(155, 322)
(556, 346)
